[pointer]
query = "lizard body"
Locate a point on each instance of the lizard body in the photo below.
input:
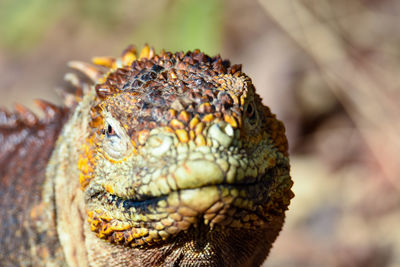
(165, 160)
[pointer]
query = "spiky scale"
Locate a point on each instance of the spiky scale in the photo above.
(7, 119)
(49, 110)
(26, 115)
(92, 72)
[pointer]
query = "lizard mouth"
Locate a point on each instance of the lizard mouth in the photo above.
(145, 203)
(149, 220)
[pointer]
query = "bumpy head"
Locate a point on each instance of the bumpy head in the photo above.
(181, 150)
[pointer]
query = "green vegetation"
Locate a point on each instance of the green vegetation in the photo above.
(178, 24)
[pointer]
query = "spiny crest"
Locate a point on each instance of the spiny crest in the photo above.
(23, 117)
(135, 72)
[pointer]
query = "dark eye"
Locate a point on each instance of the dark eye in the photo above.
(110, 131)
(251, 112)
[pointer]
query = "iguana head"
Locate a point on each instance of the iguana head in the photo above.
(181, 149)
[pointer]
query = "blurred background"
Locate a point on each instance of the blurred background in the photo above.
(329, 69)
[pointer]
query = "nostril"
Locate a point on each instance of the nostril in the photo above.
(223, 133)
(159, 144)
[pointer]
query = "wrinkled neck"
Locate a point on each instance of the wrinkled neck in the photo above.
(63, 175)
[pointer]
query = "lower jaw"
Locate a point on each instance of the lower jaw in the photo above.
(139, 224)
(202, 246)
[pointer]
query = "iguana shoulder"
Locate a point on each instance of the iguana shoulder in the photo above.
(27, 232)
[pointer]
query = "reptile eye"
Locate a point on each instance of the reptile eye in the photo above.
(251, 111)
(116, 144)
(110, 131)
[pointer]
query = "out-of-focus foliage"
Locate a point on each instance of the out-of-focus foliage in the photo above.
(23, 23)
(175, 25)
(185, 25)
(346, 213)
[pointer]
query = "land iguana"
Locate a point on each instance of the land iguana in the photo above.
(166, 159)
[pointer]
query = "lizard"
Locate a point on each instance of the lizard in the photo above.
(166, 159)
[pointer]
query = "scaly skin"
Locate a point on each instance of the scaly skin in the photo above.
(179, 163)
